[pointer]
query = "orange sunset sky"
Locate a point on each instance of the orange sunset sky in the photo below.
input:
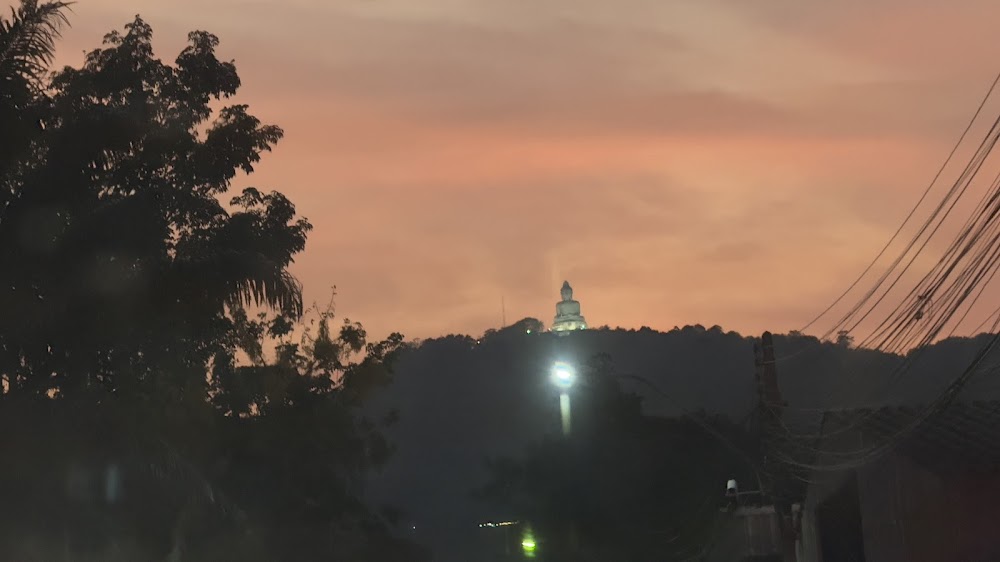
(715, 162)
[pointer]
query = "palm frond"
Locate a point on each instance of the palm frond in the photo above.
(276, 289)
(27, 40)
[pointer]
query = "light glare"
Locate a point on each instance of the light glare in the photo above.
(562, 375)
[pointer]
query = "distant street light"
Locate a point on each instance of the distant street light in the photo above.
(563, 376)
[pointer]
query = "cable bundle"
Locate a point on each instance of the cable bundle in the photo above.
(938, 304)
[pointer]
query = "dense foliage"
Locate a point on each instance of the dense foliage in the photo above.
(465, 399)
(146, 415)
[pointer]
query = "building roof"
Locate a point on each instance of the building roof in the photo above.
(965, 435)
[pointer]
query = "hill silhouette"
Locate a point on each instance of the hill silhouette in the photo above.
(465, 400)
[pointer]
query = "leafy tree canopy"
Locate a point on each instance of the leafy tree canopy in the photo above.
(148, 412)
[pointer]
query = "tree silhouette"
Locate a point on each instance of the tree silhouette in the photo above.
(145, 413)
(118, 249)
(845, 339)
(27, 46)
(296, 447)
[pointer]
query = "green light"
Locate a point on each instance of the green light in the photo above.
(528, 543)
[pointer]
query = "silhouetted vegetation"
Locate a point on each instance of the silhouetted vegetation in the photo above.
(146, 414)
(465, 400)
(166, 395)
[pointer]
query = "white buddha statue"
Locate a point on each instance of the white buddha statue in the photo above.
(568, 315)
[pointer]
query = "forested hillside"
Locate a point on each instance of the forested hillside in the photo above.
(467, 399)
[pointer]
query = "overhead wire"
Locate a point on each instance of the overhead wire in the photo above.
(986, 263)
(697, 420)
(905, 323)
(953, 195)
(909, 216)
(900, 336)
(985, 268)
(971, 261)
(968, 309)
(861, 457)
(932, 281)
(982, 324)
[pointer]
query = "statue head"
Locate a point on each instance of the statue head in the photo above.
(566, 291)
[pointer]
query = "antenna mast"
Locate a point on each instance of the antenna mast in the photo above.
(503, 313)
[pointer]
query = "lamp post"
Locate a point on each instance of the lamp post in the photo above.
(563, 376)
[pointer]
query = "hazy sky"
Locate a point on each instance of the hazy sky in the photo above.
(716, 162)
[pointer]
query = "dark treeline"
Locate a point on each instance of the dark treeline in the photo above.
(145, 414)
(468, 400)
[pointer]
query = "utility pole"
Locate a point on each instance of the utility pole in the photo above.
(769, 410)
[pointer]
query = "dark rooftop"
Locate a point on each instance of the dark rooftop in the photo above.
(963, 436)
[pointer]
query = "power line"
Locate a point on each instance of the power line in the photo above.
(861, 457)
(913, 211)
(910, 326)
(954, 194)
(948, 262)
(970, 262)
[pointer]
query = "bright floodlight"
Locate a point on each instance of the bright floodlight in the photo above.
(562, 375)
